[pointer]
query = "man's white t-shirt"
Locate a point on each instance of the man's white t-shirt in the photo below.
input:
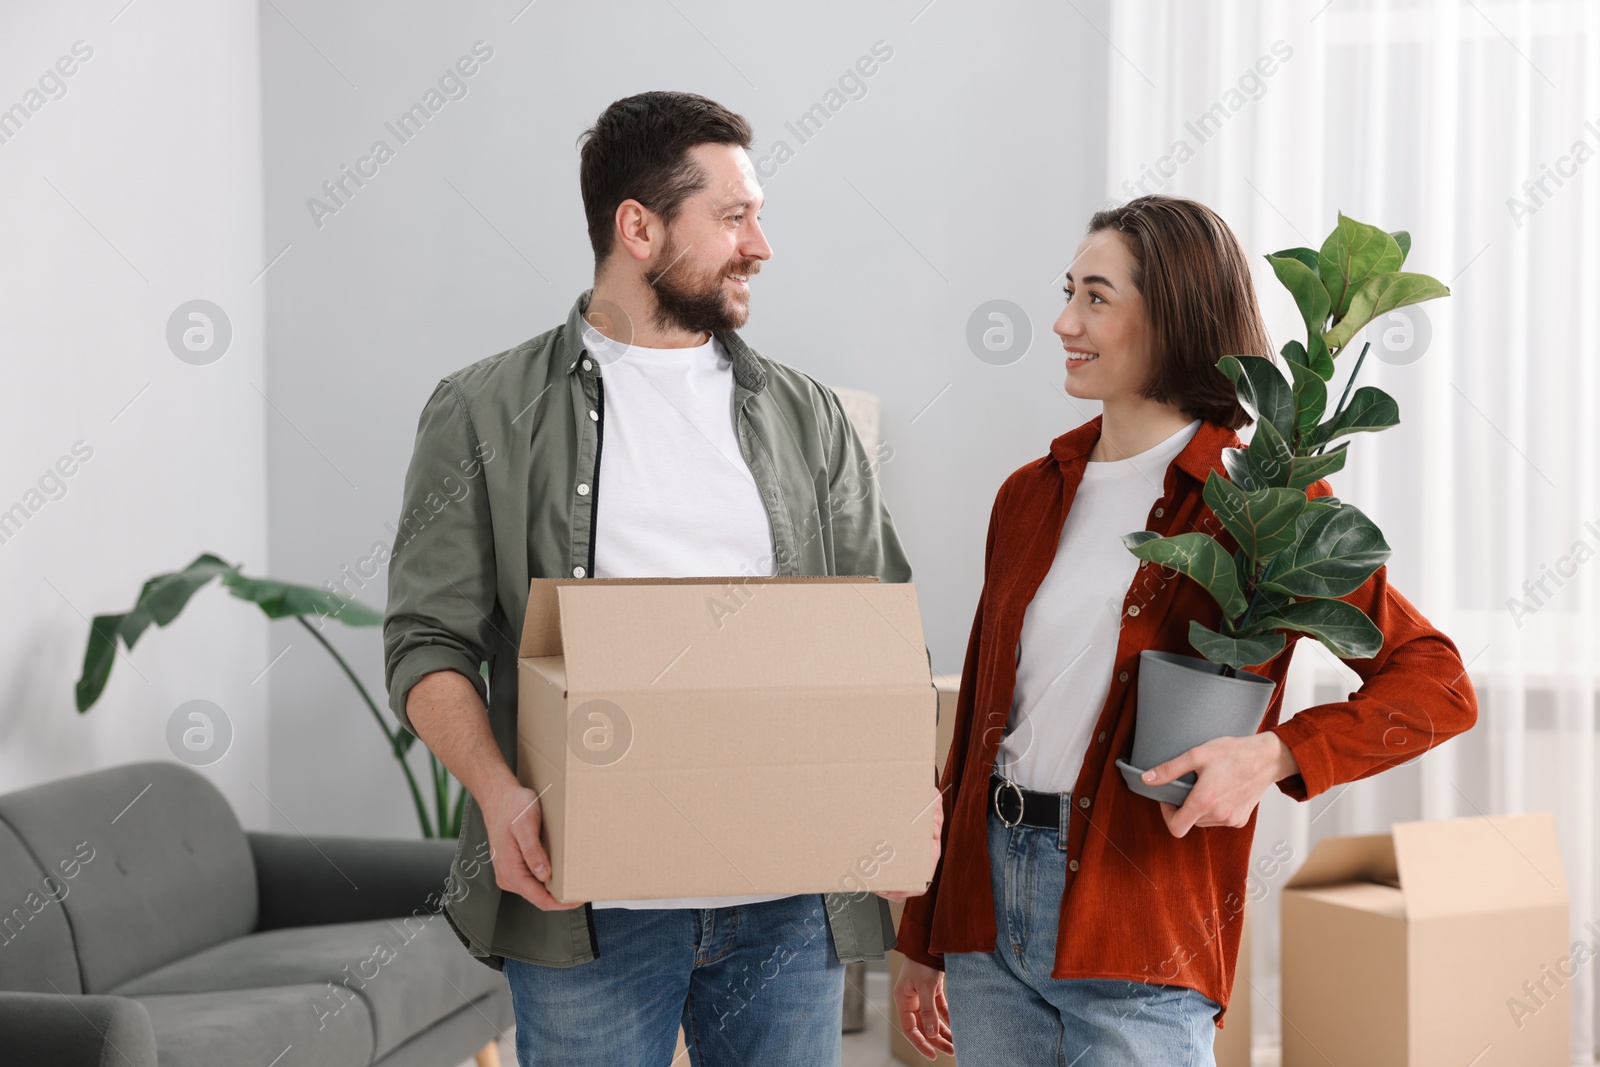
(675, 497)
(1070, 629)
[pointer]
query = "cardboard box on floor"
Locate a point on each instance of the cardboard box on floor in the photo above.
(1411, 948)
(720, 736)
(1233, 1041)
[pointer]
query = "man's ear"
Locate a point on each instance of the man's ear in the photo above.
(638, 232)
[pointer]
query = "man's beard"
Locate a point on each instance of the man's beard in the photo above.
(699, 303)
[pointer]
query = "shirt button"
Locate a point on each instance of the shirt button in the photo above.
(1133, 610)
(578, 572)
(1122, 677)
(587, 365)
(1083, 802)
(1102, 737)
(1072, 865)
(583, 489)
(1160, 512)
(594, 416)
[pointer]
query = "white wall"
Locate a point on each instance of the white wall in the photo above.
(136, 190)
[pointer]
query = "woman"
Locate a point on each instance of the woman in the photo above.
(1076, 921)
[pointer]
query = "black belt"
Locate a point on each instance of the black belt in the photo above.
(1016, 805)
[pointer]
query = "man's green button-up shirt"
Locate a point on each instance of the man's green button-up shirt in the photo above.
(504, 487)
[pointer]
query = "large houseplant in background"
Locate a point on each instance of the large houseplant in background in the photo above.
(1296, 556)
(165, 595)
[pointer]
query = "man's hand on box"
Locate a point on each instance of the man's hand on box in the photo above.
(937, 804)
(512, 817)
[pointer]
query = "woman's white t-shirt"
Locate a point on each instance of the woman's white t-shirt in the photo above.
(1070, 629)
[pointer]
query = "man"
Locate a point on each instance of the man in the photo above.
(712, 460)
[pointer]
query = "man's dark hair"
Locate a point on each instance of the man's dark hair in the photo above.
(638, 149)
(1202, 304)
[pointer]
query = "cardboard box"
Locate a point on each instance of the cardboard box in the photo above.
(1410, 948)
(1233, 1041)
(721, 736)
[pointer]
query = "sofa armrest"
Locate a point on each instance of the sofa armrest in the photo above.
(313, 881)
(68, 1030)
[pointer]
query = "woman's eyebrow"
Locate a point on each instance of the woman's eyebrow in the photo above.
(1095, 279)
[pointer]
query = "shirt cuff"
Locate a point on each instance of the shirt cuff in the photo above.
(1310, 751)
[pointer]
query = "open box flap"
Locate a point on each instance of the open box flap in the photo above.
(787, 636)
(1363, 858)
(1479, 864)
(541, 622)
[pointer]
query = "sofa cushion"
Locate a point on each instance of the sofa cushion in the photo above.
(410, 972)
(35, 944)
(257, 1027)
(172, 872)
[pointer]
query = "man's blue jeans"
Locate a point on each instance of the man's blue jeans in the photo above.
(1005, 1007)
(751, 984)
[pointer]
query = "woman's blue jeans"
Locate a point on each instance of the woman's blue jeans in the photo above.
(1005, 1007)
(750, 984)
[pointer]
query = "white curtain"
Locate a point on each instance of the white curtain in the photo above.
(1429, 116)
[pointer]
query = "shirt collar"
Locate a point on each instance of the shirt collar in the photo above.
(747, 369)
(1201, 456)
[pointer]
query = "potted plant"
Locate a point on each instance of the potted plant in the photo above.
(162, 597)
(1296, 556)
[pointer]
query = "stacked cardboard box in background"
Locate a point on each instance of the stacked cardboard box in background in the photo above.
(1440, 944)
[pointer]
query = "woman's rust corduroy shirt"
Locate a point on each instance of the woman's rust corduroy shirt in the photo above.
(1140, 903)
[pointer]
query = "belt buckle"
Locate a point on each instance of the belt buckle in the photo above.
(1003, 784)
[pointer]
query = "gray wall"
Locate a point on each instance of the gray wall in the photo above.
(964, 173)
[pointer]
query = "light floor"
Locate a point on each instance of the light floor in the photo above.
(869, 1048)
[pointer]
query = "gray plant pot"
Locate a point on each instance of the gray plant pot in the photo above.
(1186, 701)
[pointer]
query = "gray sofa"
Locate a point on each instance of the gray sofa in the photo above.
(141, 926)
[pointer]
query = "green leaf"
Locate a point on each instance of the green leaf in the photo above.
(1353, 253)
(1378, 296)
(1307, 469)
(1235, 652)
(1321, 358)
(167, 595)
(1262, 522)
(1308, 256)
(1236, 461)
(160, 600)
(1338, 549)
(1262, 390)
(1403, 239)
(1370, 409)
(281, 600)
(1310, 397)
(1306, 288)
(1271, 458)
(1200, 557)
(1343, 628)
(1294, 353)
(97, 659)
